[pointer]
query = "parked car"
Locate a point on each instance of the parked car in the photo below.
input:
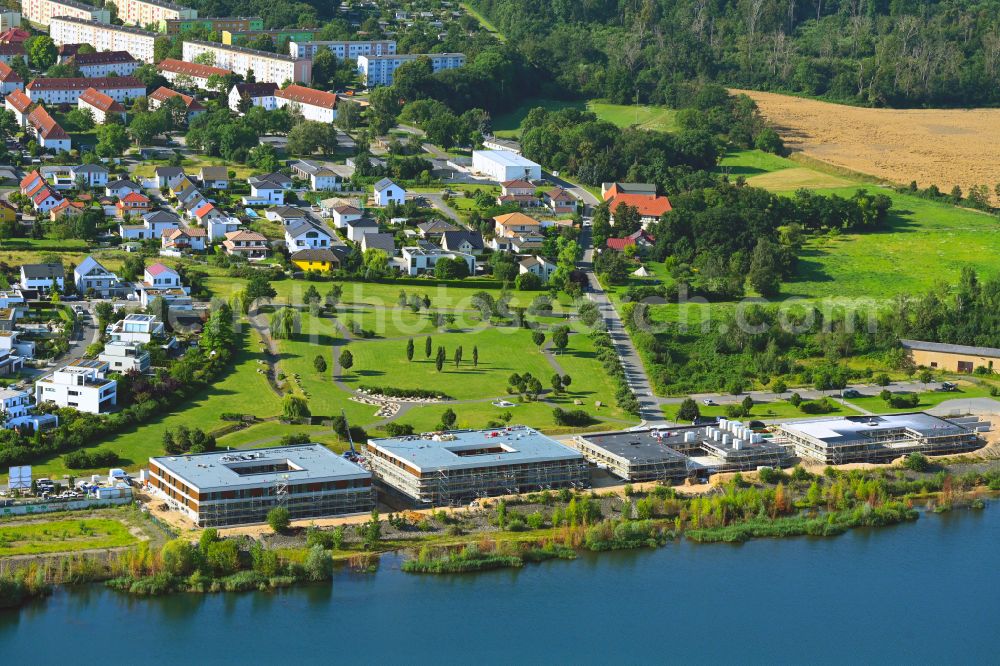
(948, 386)
(851, 393)
(708, 402)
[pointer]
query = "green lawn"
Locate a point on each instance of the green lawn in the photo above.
(778, 409)
(928, 399)
(63, 536)
(623, 115)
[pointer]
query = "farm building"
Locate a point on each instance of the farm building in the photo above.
(873, 438)
(954, 358)
(237, 487)
(461, 465)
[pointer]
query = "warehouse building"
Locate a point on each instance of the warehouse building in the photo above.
(504, 165)
(462, 465)
(952, 358)
(238, 487)
(850, 439)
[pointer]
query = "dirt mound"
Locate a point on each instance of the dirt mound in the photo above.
(944, 147)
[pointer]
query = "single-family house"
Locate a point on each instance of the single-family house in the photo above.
(39, 277)
(66, 208)
(560, 201)
(121, 188)
(192, 239)
(322, 261)
(537, 265)
(515, 224)
(467, 242)
(358, 228)
(218, 227)
(214, 178)
(322, 177)
(134, 204)
(168, 177)
(342, 215)
(640, 238)
(418, 259)
(89, 175)
(269, 189)
(91, 277)
(152, 227)
(379, 241)
(306, 236)
(205, 212)
(388, 192)
(519, 191)
(125, 357)
(161, 281)
(248, 244)
(286, 215)
(82, 385)
(434, 229)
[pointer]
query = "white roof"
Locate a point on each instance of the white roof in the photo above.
(505, 157)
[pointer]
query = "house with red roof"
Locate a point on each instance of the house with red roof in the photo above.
(9, 79)
(189, 74)
(66, 208)
(249, 244)
(19, 104)
(640, 196)
(638, 239)
(133, 204)
(160, 96)
(314, 104)
(101, 106)
(560, 201)
(205, 213)
(14, 36)
(50, 135)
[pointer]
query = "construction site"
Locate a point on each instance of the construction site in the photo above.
(462, 465)
(224, 488)
(874, 439)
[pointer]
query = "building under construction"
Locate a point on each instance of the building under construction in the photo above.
(671, 454)
(462, 465)
(237, 487)
(882, 438)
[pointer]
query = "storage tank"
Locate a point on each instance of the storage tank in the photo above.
(689, 436)
(723, 424)
(737, 444)
(725, 439)
(716, 436)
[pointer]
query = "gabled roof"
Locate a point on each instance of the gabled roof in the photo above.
(204, 209)
(516, 219)
(945, 348)
(160, 217)
(320, 255)
(274, 181)
(135, 197)
(302, 228)
(19, 101)
(365, 222)
(162, 94)
(347, 210)
(518, 184)
(436, 227)
(159, 269)
(192, 69)
(123, 182)
(42, 271)
(31, 178)
(380, 241)
(288, 211)
(101, 58)
(168, 171)
(559, 194)
(612, 190)
(16, 49)
(8, 75)
(14, 36)
(214, 173)
(99, 100)
(46, 125)
(303, 95)
(254, 90)
(89, 168)
(82, 83)
(452, 239)
(246, 235)
(90, 264)
(384, 184)
(44, 193)
(646, 205)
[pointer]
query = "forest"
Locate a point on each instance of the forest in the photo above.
(903, 53)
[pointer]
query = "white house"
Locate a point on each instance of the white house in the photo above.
(121, 188)
(161, 281)
(178, 240)
(16, 406)
(81, 385)
(537, 265)
(504, 165)
(286, 215)
(39, 277)
(11, 344)
(419, 260)
(152, 227)
(91, 175)
(306, 236)
(101, 106)
(259, 94)
(268, 189)
(90, 275)
(358, 228)
(322, 177)
(387, 192)
(168, 176)
(218, 227)
(316, 105)
(125, 357)
(467, 242)
(105, 63)
(344, 214)
(136, 327)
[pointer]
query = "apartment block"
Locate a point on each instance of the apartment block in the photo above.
(82, 385)
(314, 104)
(105, 63)
(68, 91)
(241, 37)
(215, 24)
(191, 73)
(378, 70)
(151, 12)
(138, 42)
(266, 67)
(342, 50)
(42, 12)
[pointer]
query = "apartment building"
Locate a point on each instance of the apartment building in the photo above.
(259, 94)
(68, 91)
(68, 30)
(50, 135)
(151, 12)
(189, 73)
(314, 104)
(215, 24)
(41, 12)
(342, 50)
(105, 63)
(266, 67)
(9, 79)
(18, 103)
(241, 37)
(160, 96)
(125, 356)
(101, 106)
(82, 385)
(377, 70)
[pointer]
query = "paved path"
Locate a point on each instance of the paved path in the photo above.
(441, 206)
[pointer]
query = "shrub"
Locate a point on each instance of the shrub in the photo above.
(917, 462)
(573, 417)
(90, 459)
(279, 519)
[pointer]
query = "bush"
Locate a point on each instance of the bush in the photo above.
(917, 462)
(822, 406)
(574, 417)
(904, 400)
(90, 459)
(279, 519)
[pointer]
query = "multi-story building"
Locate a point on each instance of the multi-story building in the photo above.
(42, 12)
(457, 466)
(215, 24)
(151, 12)
(241, 37)
(82, 385)
(68, 91)
(105, 63)
(140, 43)
(237, 487)
(161, 281)
(248, 244)
(91, 277)
(50, 135)
(159, 97)
(10, 51)
(138, 328)
(314, 104)
(419, 259)
(10, 19)
(188, 74)
(259, 94)
(273, 67)
(306, 236)
(377, 70)
(9, 79)
(18, 103)
(125, 357)
(342, 50)
(101, 106)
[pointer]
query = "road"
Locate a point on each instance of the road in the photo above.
(85, 334)
(439, 204)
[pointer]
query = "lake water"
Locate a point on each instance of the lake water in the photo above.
(916, 593)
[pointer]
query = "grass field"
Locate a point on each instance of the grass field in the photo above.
(622, 115)
(928, 399)
(30, 538)
(777, 409)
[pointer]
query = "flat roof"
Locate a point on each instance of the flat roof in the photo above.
(444, 451)
(640, 446)
(839, 430)
(944, 348)
(505, 157)
(220, 469)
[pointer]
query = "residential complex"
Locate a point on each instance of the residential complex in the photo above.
(882, 438)
(104, 63)
(82, 385)
(49, 134)
(259, 94)
(217, 24)
(266, 67)
(241, 37)
(237, 487)
(314, 104)
(151, 12)
(194, 73)
(342, 50)
(68, 91)
(461, 465)
(377, 70)
(103, 37)
(101, 106)
(42, 12)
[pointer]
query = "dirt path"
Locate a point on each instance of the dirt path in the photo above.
(944, 147)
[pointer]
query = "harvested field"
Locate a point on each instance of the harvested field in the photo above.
(944, 147)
